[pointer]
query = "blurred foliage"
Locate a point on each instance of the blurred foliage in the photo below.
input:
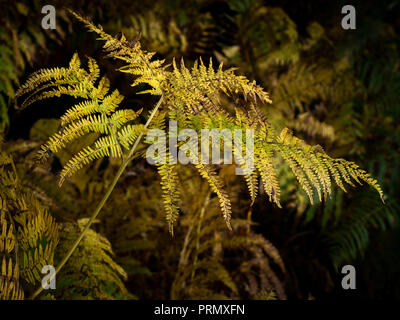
(332, 87)
(91, 272)
(29, 233)
(23, 42)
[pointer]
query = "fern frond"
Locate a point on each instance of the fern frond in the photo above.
(269, 179)
(38, 239)
(120, 117)
(128, 134)
(138, 62)
(97, 114)
(209, 266)
(349, 233)
(194, 97)
(42, 76)
(169, 185)
(111, 102)
(103, 147)
(252, 185)
(28, 234)
(216, 185)
(91, 271)
(313, 167)
(10, 289)
(73, 81)
(94, 69)
(80, 110)
(198, 89)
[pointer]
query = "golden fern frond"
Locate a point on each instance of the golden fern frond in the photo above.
(251, 178)
(169, 185)
(250, 175)
(138, 62)
(187, 90)
(102, 89)
(94, 69)
(128, 134)
(80, 110)
(194, 97)
(216, 185)
(96, 114)
(264, 164)
(98, 123)
(104, 147)
(74, 131)
(252, 185)
(305, 167)
(314, 168)
(73, 81)
(111, 102)
(120, 117)
(198, 89)
(42, 76)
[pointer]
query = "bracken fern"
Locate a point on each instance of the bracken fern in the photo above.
(196, 98)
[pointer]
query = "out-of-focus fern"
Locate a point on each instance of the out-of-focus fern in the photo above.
(22, 39)
(266, 36)
(309, 126)
(312, 88)
(166, 37)
(29, 234)
(347, 231)
(91, 272)
(208, 265)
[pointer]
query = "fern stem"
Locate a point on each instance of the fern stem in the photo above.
(201, 217)
(105, 197)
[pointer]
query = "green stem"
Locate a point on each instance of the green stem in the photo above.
(105, 198)
(201, 217)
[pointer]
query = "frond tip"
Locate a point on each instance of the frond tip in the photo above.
(314, 169)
